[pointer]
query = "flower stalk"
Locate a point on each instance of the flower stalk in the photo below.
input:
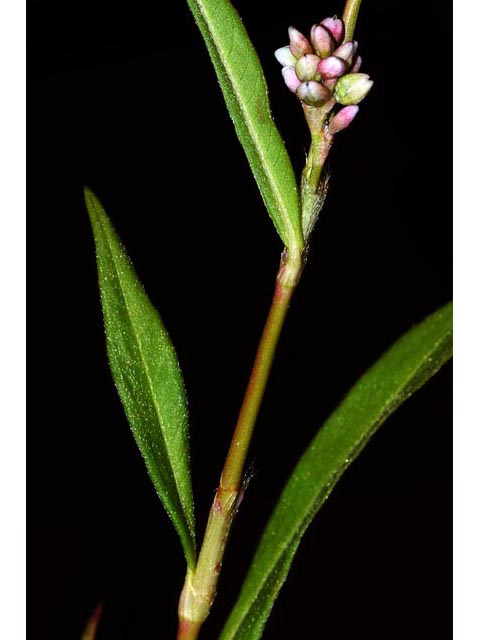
(350, 15)
(323, 72)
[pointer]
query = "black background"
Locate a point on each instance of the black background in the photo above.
(123, 99)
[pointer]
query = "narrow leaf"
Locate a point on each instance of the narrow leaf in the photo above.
(403, 369)
(147, 376)
(241, 79)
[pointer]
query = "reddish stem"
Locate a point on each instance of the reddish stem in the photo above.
(200, 585)
(188, 630)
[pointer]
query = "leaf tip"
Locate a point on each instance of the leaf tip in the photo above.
(90, 198)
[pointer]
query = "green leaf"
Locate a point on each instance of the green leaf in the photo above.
(241, 79)
(147, 376)
(403, 369)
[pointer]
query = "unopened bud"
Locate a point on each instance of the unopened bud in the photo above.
(285, 57)
(322, 40)
(313, 93)
(306, 68)
(343, 118)
(335, 26)
(290, 78)
(352, 88)
(299, 45)
(357, 64)
(345, 51)
(332, 67)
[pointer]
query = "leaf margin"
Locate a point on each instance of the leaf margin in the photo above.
(235, 627)
(184, 521)
(286, 217)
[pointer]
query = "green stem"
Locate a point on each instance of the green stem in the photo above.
(200, 585)
(313, 184)
(287, 279)
(350, 15)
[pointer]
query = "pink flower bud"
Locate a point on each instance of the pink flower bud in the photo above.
(313, 94)
(285, 57)
(345, 52)
(352, 88)
(335, 26)
(290, 78)
(322, 40)
(306, 68)
(332, 67)
(299, 45)
(342, 119)
(357, 64)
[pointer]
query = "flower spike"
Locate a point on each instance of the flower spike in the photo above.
(330, 64)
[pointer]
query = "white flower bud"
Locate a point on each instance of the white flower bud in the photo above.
(285, 57)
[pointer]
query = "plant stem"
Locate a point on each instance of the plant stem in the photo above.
(313, 184)
(188, 630)
(286, 281)
(350, 15)
(200, 585)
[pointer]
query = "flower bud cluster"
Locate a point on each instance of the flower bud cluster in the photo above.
(325, 69)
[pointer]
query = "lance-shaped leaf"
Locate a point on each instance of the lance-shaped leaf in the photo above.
(241, 79)
(147, 375)
(405, 367)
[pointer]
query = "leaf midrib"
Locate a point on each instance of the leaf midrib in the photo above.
(148, 376)
(264, 163)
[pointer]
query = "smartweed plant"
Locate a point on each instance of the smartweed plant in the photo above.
(325, 72)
